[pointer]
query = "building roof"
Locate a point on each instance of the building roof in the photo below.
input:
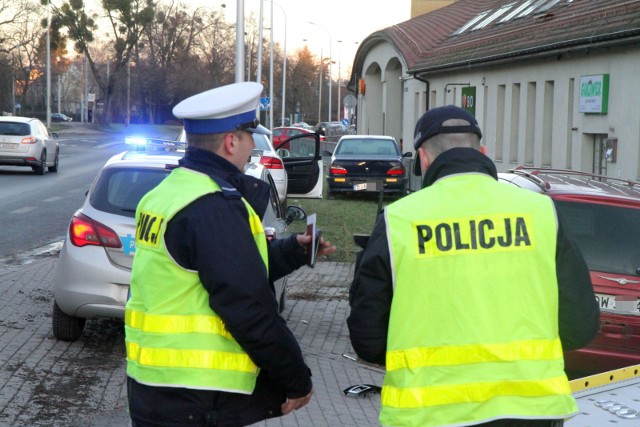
(429, 43)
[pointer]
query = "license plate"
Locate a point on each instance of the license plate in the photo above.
(619, 304)
(365, 186)
(8, 146)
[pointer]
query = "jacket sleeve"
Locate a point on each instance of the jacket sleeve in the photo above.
(213, 236)
(285, 256)
(370, 298)
(578, 312)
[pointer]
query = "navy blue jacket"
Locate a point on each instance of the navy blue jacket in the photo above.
(212, 235)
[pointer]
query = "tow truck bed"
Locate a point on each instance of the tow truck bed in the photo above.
(609, 398)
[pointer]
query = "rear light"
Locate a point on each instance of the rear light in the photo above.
(29, 140)
(337, 170)
(397, 170)
(271, 162)
(84, 231)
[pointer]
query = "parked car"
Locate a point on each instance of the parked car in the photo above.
(300, 175)
(331, 128)
(602, 215)
(303, 125)
(59, 117)
(266, 155)
(367, 163)
(26, 141)
(278, 135)
(94, 266)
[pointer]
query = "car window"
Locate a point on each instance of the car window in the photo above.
(41, 129)
(262, 142)
(607, 236)
(118, 190)
(277, 132)
(14, 128)
(368, 147)
(302, 147)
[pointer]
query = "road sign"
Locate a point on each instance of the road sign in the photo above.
(345, 122)
(350, 101)
(265, 104)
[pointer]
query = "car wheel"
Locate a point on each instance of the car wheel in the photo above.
(41, 169)
(65, 327)
(54, 168)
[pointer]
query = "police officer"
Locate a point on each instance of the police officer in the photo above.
(205, 343)
(469, 291)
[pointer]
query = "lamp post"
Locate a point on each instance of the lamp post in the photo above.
(240, 41)
(284, 63)
(48, 103)
(329, 34)
(129, 65)
(271, 69)
(339, 79)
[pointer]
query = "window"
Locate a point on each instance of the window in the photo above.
(119, 190)
(469, 24)
(606, 235)
(495, 15)
(516, 11)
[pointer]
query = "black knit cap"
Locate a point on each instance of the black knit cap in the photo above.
(430, 125)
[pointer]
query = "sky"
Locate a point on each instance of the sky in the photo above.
(349, 21)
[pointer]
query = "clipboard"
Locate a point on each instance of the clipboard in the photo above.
(312, 248)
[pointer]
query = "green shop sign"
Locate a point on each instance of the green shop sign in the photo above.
(594, 94)
(469, 99)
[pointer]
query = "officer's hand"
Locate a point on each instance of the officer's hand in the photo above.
(292, 404)
(325, 247)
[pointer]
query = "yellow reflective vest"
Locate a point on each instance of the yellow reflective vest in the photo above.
(173, 338)
(473, 329)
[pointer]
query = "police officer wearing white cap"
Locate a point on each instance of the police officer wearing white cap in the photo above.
(468, 291)
(205, 342)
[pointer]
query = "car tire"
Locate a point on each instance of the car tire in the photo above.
(41, 169)
(65, 327)
(56, 161)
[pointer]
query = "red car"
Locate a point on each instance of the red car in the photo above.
(602, 216)
(280, 134)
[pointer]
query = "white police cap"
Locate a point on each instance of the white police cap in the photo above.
(223, 109)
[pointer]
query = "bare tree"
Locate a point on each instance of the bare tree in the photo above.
(126, 19)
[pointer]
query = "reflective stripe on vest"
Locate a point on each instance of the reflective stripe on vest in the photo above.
(173, 338)
(473, 332)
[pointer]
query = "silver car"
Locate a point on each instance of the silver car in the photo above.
(94, 267)
(26, 141)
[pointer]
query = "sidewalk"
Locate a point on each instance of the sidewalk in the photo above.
(38, 370)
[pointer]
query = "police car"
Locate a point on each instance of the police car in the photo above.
(94, 266)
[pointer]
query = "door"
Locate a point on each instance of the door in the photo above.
(303, 163)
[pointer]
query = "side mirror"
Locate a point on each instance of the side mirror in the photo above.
(55, 135)
(326, 153)
(408, 154)
(283, 152)
(295, 213)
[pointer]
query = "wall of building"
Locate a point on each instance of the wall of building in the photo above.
(530, 112)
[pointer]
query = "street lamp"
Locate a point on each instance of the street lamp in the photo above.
(129, 66)
(329, 34)
(319, 86)
(48, 103)
(284, 64)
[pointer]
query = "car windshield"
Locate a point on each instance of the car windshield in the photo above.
(119, 190)
(367, 147)
(13, 128)
(607, 236)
